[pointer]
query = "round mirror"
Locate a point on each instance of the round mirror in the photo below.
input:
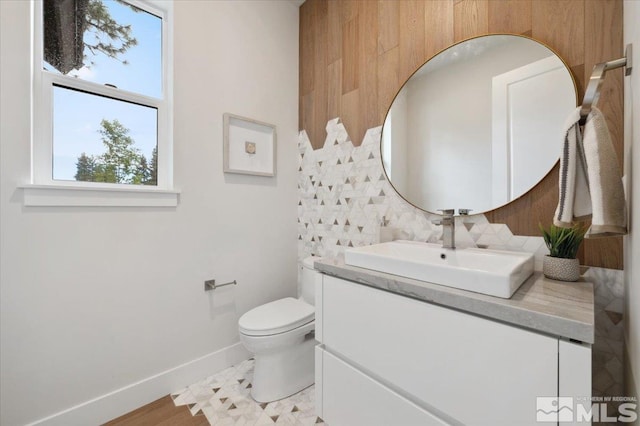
(478, 125)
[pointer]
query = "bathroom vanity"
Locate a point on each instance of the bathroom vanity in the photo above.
(397, 351)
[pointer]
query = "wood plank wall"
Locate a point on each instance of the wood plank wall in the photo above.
(356, 54)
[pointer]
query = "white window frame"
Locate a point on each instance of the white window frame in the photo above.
(99, 193)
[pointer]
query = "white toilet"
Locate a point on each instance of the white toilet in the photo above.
(281, 335)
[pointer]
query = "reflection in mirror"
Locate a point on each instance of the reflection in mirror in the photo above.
(478, 125)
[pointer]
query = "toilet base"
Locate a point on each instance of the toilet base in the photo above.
(279, 374)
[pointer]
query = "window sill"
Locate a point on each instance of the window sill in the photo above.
(75, 196)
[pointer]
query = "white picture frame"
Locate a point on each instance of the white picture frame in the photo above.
(249, 146)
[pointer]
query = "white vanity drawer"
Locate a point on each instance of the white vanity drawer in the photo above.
(368, 402)
(474, 370)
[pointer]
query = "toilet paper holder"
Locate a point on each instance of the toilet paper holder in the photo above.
(211, 284)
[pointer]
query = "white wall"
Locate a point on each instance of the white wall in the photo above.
(96, 299)
(632, 171)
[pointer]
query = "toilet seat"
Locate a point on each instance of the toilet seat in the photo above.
(276, 317)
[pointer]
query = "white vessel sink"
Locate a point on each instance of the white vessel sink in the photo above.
(493, 272)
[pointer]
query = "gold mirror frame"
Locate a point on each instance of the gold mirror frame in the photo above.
(575, 87)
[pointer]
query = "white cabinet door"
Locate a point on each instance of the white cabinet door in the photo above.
(319, 371)
(351, 398)
(476, 371)
(574, 380)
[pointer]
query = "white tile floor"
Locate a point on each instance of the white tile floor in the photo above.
(225, 399)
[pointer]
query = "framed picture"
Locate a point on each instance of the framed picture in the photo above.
(249, 146)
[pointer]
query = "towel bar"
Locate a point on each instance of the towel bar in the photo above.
(597, 77)
(211, 284)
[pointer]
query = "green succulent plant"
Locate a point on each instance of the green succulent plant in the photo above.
(563, 242)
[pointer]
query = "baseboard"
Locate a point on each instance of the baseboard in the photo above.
(114, 404)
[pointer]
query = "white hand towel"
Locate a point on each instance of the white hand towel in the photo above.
(609, 216)
(590, 178)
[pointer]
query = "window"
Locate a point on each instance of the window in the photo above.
(102, 96)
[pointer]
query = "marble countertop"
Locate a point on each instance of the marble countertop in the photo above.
(554, 307)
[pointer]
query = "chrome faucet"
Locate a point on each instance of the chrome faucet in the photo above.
(448, 223)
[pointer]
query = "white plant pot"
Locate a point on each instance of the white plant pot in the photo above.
(561, 269)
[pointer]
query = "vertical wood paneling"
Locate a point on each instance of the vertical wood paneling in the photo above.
(307, 33)
(306, 67)
(355, 55)
(510, 16)
(368, 66)
(351, 55)
(438, 22)
(334, 89)
(350, 114)
(334, 34)
(388, 81)
(388, 25)
(411, 37)
(307, 107)
(578, 72)
(320, 70)
(388, 61)
(470, 19)
(560, 24)
(604, 252)
(348, 9)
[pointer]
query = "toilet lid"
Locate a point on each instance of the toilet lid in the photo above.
(276, 317)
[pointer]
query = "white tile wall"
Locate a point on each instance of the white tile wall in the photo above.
(608, 349)
(344, 196)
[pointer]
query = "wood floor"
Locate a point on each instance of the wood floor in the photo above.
(161, 412)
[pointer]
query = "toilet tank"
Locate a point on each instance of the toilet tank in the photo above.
(307, 280)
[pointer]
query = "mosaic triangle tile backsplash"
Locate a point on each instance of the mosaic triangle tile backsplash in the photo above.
(344, 197)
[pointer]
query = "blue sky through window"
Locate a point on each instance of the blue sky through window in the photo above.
(77, 115)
